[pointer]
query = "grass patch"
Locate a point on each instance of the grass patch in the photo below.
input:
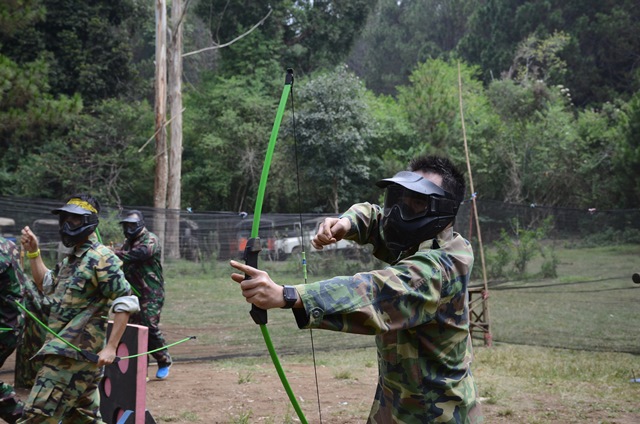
(545, 385)
(591, 305)
(570, 340)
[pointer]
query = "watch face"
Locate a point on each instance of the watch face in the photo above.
(290, 296)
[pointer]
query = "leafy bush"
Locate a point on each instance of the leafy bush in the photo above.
(518, 248)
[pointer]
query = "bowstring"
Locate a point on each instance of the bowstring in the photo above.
(303, 244)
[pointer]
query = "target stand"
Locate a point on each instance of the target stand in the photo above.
(123, 389)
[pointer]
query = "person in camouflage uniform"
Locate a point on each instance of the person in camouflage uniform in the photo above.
(12, 287)
(417, 307)
(82, 289)
(142, 257)
(33, 338)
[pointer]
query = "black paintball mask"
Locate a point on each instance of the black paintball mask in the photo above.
(132, 225)
(415, 210)
(76, 220)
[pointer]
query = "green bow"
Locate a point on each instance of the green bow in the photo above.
(92, 357)
(254, 247)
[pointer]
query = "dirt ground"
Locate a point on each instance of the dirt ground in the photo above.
(209, 392)
(213, 394)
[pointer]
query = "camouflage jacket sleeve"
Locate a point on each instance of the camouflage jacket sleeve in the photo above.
(142, 249)
(405, 295)
(143, 263)
(365, 229)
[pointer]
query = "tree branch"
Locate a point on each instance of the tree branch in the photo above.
(219, 46)
(156, 133)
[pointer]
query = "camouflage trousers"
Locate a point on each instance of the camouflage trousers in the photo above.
(151, 303)
(435, 406)
(66, 390)
(10, 406)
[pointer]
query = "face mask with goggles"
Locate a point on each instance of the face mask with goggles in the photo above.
(132, 225)
(76, 221)
(415, 210)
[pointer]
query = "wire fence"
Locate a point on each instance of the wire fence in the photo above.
(589, 302)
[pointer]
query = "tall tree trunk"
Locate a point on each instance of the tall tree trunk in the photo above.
(175, 153)
(334, 201)
(160, 189)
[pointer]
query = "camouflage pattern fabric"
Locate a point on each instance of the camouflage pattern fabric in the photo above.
(143, 269)
(84, 284)
(66, 391)
(417, 308)
(12, 286)
(10, 406)
(33, 338)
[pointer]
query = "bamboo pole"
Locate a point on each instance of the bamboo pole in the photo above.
(485, 294)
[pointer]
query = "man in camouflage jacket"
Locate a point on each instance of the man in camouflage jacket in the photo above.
(142, 257)
(82, 289)
(12, 286)
(417, 307)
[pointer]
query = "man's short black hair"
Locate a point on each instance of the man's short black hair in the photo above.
(452, 179)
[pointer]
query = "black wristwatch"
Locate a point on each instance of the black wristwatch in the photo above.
(290, 295)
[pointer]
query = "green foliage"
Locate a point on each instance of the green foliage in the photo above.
(320, 34)
(244, 378)
(599, 56)
(98, 155)
(431, 104)
(333, 135)
(538, 153)
(29, 115)
(492, 35)
(110, 229)
(521, 101)
(610, 235)
(226, 132)
(498, 258)
(518, 248)
(539, 60)
(392, 137)
(600, 131)
(89, 46)
(549, 267)
(625, 139)
(227, 20)
(527, 243)
(304, 35)
(256, 54)
(530, 139)
(400, 34)
(14, 18)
